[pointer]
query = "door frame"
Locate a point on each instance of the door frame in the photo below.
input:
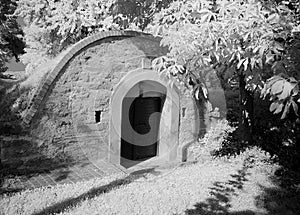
(168, 146)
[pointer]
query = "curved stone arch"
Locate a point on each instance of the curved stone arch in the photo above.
(43, 88)
(170, 143)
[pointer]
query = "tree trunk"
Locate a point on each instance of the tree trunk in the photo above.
(246, 114)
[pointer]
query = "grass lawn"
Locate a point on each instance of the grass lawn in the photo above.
(242, 185)
(238, 185)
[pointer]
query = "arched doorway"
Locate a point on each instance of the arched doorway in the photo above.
(130, 121)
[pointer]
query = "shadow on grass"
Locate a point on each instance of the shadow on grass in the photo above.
(15, 179)
(231, 145)
(278, 201)
(72, 202)
(221, 192)
(284, 197)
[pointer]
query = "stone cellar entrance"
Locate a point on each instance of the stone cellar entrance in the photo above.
(102, 101)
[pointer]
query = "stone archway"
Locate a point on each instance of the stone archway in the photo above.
(164, 126)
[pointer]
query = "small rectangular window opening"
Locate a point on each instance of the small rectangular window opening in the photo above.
(98, 116)
(183, 112)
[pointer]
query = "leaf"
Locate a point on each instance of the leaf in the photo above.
(205, 92)
(292, 80)
(286, 91)
(286, 110)
(240, 63)
(180, 68)
(252, 63)
(295, 91)
(262, 50)
(273, 79)
(232, 58)
(246, 36)
(273, 18)
(197, 91)
(264, 92)
(260, 63)
(238, 55)
(255, 50)
(279, 108)
(206, 18)
(274, 106)
(279, 47)
(246, 64)
(267, 35)
(295, 106)
(277, 87)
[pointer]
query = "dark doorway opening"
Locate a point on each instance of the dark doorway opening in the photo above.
(137, 146)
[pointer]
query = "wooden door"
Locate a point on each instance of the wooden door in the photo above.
(142, 146)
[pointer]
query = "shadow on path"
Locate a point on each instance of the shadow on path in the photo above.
(72, 202)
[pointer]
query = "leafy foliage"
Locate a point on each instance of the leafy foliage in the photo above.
(11, 44)
(283, 92)
(252, 37)
(53, 25)
(135, 14)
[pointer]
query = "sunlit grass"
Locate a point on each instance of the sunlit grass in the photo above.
(235, 185)
(172, 191)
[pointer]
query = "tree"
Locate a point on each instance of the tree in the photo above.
(248, 35)
(251, 41)
(53, 25)
(11, 43)
(283, 89)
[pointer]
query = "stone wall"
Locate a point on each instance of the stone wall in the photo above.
(66, 121)
(64, 128)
